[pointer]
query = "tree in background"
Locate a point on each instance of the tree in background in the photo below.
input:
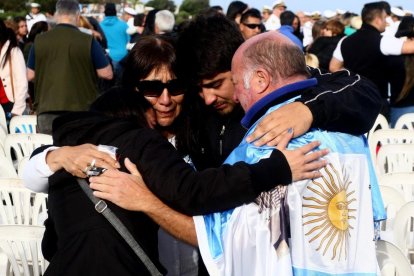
(194, 6)
(162, 5)
(190, 8)
(23, 6)
(13, 5)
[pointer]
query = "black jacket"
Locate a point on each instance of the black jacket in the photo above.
(323, 47)
(79, 241)
(362, 54)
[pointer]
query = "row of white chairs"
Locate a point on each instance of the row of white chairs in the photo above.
(18, 124)
(21, 234)
(392, 150)
(22, 214)
(17, 146)
(406, 121)
(392, 153)
(22, 146)
(398, 227)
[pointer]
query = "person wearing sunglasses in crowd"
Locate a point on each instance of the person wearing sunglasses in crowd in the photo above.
(152, 76)
(250, 23)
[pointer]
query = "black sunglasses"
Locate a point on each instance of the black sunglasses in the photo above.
(252, 26)
(154, 88)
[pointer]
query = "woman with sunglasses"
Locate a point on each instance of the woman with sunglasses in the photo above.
(154, 77)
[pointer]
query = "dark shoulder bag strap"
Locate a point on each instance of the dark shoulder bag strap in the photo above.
(102, 208)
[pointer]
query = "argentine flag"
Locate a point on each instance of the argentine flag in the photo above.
(313, 227)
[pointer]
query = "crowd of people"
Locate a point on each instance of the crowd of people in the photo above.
(225, 126)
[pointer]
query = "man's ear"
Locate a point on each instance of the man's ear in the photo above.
(261, 81)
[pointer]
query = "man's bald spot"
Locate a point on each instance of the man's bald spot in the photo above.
(278, 37)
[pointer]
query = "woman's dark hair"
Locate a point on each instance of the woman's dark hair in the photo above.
(119, 102)
(139, 20)
(335, 26)
(406, 28)
(317, 28)
(37, 28)
(6, 34)
(236, 8)
(149, 53)
(150, 23)
(298, 31)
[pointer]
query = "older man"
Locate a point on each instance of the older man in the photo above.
(329, 219)
(60, 85)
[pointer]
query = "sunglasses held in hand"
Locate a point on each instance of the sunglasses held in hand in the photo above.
(154, 88)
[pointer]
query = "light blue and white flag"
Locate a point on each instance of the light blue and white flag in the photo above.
(331, 218)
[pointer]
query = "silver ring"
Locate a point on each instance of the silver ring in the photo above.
(92, 163)
(86, 169)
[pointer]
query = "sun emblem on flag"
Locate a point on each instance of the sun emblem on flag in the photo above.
(327, 212)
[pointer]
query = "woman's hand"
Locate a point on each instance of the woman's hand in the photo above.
(77, 159)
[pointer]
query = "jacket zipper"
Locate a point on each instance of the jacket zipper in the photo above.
(221, 136)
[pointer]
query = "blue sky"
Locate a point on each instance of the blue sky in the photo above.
(313, 5)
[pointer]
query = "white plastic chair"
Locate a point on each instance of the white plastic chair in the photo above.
(23, 124)
(380, 123)
(3, 135)
(22, 165)
(3, 121)
(22, 245)
(395, 158)
(406, 121)
(389, 136)
(19, 205)
(393, 201)
(391, 260)
(403, 182)
(7, 169)
(24, 144)
(403, 229)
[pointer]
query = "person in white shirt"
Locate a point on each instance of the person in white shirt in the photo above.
(34, 16)
(273, 22)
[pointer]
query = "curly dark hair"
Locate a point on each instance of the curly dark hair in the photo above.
(206, 46)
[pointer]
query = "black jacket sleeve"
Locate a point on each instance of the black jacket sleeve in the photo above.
(343, 102)
(216, 189)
